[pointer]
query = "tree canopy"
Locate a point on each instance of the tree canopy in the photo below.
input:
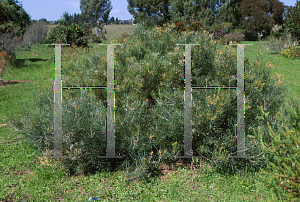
(163, 11)
(292, 21)
(261, 15)
(95, 12)
(68, 19)
(13, 17)
(150, 12)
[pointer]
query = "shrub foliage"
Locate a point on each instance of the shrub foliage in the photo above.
(149, 92)
(291, 23)
(282, 154)
(67, 34)
(8, 44)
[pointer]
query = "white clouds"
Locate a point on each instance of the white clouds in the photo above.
(73, 4)
(115, 11)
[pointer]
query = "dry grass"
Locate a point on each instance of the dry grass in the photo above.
(113, 31)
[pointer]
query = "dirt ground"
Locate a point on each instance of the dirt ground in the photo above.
(10, 82)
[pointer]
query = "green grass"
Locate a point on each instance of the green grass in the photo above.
(285, 66)
(26, 174)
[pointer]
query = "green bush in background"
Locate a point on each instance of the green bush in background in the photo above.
(291, 52)
(67, 34)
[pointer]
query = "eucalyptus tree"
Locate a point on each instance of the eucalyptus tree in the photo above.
(95, 14)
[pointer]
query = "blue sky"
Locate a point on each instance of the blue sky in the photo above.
(54, 9)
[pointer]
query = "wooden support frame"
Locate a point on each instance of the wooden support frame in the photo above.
(188, 153)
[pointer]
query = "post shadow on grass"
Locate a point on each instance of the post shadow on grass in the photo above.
(19, 63)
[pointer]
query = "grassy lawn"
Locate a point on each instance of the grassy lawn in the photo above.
(26, 175)
(281, 65)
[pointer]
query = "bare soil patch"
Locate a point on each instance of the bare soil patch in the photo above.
(10, 82)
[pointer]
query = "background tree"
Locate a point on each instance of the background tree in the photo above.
(225, 12)
(112, 20)
(274, 10)
(292, 22)
(262, 15)
(68, 19)
(207, 12)
(33, 21)
(13, 20)
(76, 18)
(226, 17)
(152, 13)
(44, 20)
(13, 17)
(158, 12)
(255, 18)
(117, 21)
(35, 34)
(287, 11)
(5, 18)
(95, 13)
(234, 14)
(277, 12)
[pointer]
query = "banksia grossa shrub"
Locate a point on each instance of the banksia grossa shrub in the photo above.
(283, 165)
(179, 27)
(145, 71)
(195, 26)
